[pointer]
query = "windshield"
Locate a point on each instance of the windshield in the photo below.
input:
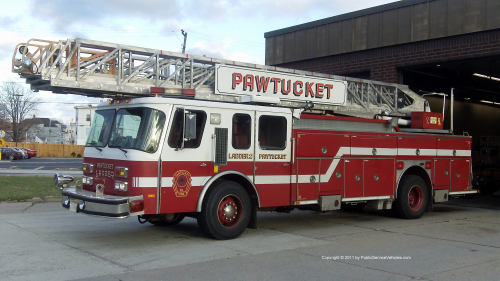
(137, 128)
(100, 128)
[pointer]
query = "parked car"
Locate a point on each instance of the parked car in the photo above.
(10, 153)
(31, 153)
(23, 152)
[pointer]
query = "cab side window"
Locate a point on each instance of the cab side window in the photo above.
(241, 131)
(272, 132)
(177, 131)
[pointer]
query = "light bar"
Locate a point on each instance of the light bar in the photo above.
(173, 91)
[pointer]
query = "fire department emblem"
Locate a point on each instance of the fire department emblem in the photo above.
(181, 183)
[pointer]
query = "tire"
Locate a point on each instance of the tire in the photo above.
(225, 211)
(413, 197)
(167, 220)
(11, 157)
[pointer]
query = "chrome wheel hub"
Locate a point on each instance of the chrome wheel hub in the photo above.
(230, 211)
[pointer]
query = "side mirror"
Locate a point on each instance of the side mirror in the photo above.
(190, 126)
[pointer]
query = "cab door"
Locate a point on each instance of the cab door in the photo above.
(240, 142)
(272, 169)
(185, 159)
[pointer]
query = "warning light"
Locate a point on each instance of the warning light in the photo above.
(136, 206)
(427, 165)
(400, 165)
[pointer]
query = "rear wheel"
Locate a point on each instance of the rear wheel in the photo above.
(225, 211)
(11, 157)
(413, 197)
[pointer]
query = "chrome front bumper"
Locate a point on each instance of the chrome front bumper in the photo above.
(82, 201)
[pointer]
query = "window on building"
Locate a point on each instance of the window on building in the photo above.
(272, 132)
(88, 117)
(241, 131)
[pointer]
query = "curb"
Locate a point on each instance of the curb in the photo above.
(45, 199)
(52, 198)
(37, 200)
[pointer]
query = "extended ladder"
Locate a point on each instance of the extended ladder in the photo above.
(100, 69)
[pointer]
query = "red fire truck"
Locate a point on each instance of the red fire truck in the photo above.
(219, 140)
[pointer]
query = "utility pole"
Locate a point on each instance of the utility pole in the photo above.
(185, 38)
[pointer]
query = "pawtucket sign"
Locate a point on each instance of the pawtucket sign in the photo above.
(287, 87)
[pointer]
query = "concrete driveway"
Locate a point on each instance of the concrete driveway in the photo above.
(45, 242)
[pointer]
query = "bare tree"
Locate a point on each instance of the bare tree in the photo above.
(18, 101)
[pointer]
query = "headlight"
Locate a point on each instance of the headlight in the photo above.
(87, 180)
(121, 172)
(121, 186)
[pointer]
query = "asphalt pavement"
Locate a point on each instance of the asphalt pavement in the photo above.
(454, 242)
(458, 240)
(45, 167)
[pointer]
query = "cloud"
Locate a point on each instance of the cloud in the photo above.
(226, 29)
(7, 21)
(8, 43)
(214, 10)
(221, 50)
(66, 15)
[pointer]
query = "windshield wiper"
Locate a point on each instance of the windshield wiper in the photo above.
(100, 149)
(124, 151)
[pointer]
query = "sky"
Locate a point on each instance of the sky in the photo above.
(226, 29)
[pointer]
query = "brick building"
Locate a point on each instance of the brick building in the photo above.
(429, 45)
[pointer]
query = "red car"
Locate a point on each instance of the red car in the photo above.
(31, 153)
(9, 153)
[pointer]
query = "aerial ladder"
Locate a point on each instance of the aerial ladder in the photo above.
(108, 70)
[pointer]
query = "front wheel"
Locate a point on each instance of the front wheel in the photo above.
(413, 197)
(225, 211)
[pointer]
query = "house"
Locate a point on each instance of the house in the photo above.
(83, 120)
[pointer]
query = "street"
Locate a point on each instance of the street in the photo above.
(46, 242)
(41, 166)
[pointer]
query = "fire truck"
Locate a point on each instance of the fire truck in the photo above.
(218, 140)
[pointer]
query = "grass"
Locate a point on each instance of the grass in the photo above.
(26, 188)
